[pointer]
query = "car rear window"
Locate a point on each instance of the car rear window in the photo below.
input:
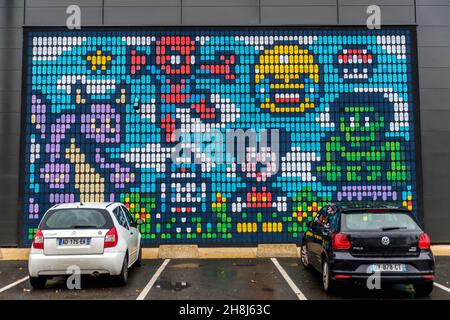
(76, 218)
(375, 221)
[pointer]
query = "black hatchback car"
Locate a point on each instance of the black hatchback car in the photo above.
(354, 241)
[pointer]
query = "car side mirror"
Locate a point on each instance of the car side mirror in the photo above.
(139, 222)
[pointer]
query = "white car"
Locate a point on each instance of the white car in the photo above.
(97, 238)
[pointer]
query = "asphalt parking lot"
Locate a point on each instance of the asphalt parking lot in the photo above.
(234, 279)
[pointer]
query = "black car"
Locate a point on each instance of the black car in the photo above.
(353, 241)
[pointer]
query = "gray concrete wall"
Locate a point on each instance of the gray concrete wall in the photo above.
(218, 12)
(11, 21)
(433, 33)
(432, 17)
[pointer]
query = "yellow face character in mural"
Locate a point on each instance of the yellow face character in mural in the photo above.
(288, 78)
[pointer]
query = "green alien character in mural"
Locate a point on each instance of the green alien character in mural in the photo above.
(354, 154)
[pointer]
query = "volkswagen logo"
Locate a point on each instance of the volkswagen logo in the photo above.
(385, 240)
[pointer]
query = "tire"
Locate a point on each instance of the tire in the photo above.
(38, 282)
(329, 285)
(122, 278)
(304, 257)
(138, 262)
(423, 289)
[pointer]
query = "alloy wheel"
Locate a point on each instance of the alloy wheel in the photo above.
(304, 256)
(325, 276)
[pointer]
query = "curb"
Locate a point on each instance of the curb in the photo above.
(194, 252)
(178, 251)
(441, 250)
(14, 254)
(227, 253)
(277, 251)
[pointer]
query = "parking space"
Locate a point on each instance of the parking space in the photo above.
(310, 283)
(239, 279)
(194, 279)
(443, 270)
(12, 271)
(91, 288)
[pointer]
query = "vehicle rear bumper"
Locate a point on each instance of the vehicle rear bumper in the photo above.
(345, 267)
(52, 265)
(384, 278)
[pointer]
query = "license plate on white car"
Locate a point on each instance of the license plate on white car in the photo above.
(74, 242)
(387, 267)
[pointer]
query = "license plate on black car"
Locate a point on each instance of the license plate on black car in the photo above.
(387, 267)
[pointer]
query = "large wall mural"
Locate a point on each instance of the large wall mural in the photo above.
(102, 108)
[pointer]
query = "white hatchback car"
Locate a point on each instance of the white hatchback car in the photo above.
(96, 238)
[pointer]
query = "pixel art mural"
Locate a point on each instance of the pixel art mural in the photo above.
(102, 108)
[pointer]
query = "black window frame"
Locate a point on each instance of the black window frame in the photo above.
(316, 222)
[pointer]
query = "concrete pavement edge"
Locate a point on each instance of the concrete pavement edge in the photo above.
(190, 251)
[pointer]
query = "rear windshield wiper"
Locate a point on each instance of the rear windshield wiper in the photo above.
(83, 227)
(393, 228)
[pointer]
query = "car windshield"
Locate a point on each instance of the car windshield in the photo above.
(76, 218)
(374, 221)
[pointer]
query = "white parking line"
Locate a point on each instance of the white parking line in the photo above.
(288, 279)
(152, 281)
(9, 286)
(440, 286)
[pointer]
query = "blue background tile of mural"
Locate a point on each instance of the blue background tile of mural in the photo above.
(103, 108)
